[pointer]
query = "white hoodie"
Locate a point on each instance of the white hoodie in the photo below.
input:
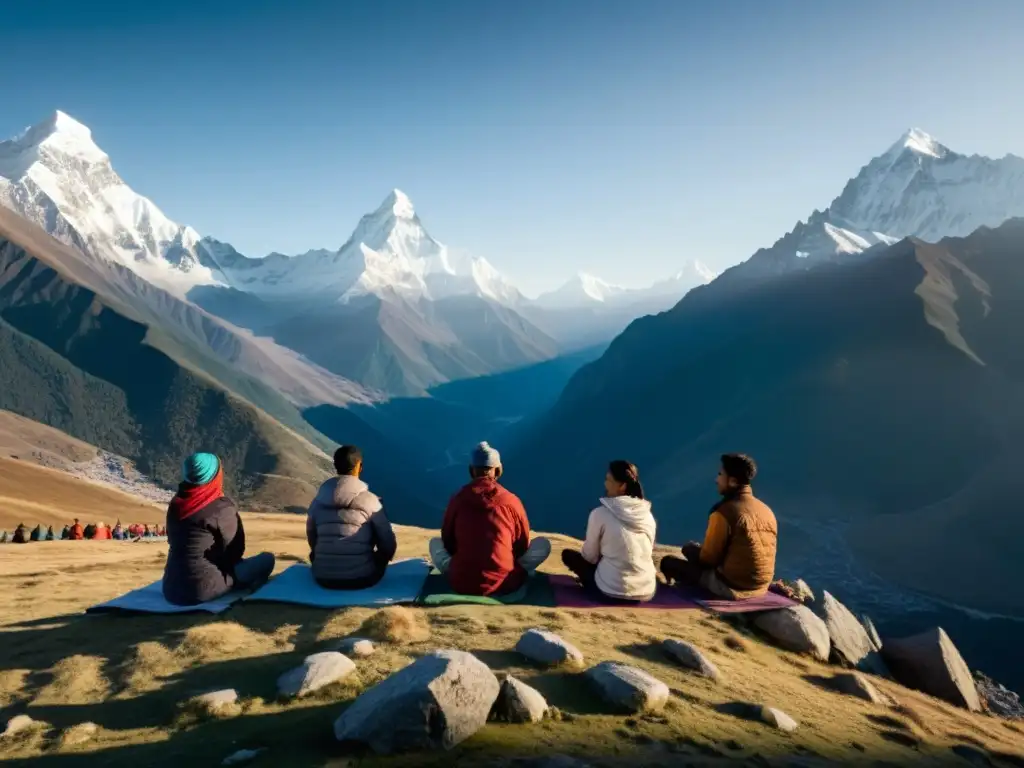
(620, 541)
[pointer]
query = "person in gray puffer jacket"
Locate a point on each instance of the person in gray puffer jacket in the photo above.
(351, 540)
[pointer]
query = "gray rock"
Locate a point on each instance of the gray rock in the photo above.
(627, 687)
(803, 592)
(19, 723)
(357, 646)
(243, 756)
(545, 647)
(779, 719)
(872, 633)
(796, 628)
(216, 700)
(79, 734)
(690, 656)
(930, 662)
(854, 684)
(849, 640)
(519, 703)
(317, 671)
(1001, 701)
(436, 702)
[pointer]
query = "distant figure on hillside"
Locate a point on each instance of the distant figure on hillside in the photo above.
(38, 534)
(21, 534)
(90, 531)
(737, 559)
(102, 532)
(66, 533)
(77, 533)
(207, 540)
(118, 532)
(4, 536)
(617, 561)
(50, 535)
(351, 540)
(147, 532)
(485, 546)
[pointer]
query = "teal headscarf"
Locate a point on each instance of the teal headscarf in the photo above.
(200, 468)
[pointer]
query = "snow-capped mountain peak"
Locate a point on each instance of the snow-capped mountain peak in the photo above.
(919, 142)
(398, 204)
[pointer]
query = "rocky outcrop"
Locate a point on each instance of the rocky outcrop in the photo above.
(850, 642)
(547, 648)
(930, 662)
(519, 703)
(689, 656)
(628, 688)
(998, 699)
(18, 724)
(317, 671)
(436, 702)
(796, 628)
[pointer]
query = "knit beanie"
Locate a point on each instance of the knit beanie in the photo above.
(200, 468)
(484, 456)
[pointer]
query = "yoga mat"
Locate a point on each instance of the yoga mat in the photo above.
(569, 594)
(537, 592)
(769, 601)
(150, 599)
(402, 583)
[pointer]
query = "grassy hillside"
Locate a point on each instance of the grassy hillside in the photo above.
(130, 676)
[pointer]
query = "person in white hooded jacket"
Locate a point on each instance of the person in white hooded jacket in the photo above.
(617, 561)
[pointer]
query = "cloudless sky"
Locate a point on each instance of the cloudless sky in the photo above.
(550, 136)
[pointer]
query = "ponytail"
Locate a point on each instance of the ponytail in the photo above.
(628, 475)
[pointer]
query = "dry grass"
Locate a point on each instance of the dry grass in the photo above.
(131, 676)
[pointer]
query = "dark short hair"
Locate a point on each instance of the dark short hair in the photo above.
(346, 458)
(739, 467)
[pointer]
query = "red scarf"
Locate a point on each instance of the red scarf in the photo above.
(192, 498)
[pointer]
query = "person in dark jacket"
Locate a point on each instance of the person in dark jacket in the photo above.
(21, 534)
(207, 540)
(90, 532)
(66, 533)
(351, 540)
(77, 533)
(50, 535)
(485, 546)
(38, 534)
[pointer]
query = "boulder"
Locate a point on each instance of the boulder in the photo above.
(803, 592)
(357, 646)
(628, 688)
(436, 702)
(519, 703)
(854, 684)
(869, 628)
(779, 719)
(78, 734)
(1000, 700)
(545, 647)
(930, 662)
(849, 640)
(216, 700)
(19, 723)
(690, 657)
(317, 671)
(796, 628)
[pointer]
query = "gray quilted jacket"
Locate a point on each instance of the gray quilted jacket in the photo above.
(349, 534)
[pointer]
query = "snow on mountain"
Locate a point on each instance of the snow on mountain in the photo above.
(918, 187)
(585, 290)
(55, 176)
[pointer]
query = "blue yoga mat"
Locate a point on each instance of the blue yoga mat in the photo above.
(402, 583)
(150, 599)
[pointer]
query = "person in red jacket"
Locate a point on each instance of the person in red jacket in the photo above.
(485, 546)
(102, 532)
(77, 532)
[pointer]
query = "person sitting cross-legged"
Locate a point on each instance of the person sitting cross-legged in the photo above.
(485, 546)
(617, 561)
(351, 540)
(736, 561)
(206, 539)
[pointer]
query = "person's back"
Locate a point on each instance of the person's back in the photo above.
(624, 530)
(3, 537)
(38, 534)
(748, 565)
(50, 535)
(350, 538)
(485, 531)
(20, 535)
(90, 531)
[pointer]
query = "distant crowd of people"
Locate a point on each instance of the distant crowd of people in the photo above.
(485, 547)
(77, 532)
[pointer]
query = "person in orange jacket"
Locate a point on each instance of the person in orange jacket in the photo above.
(77, 532)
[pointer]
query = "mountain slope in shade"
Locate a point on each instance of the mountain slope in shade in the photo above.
(873, 387)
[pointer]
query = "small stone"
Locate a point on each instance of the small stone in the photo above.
(359, 647)
(779, 719)
(316, 672)
(796, 628)
(854, 684)
(803, 592)
(546, 647)
(519, 703)
(216, 700)
(17, 724)
(243, 756)
(690, 656)
(628, 688)
(79, 734)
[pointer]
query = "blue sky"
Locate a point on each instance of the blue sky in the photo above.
(619, 138)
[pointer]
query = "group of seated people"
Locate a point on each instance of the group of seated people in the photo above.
(77, 532)
(485, 547)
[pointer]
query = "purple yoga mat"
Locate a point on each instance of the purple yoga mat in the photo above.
(766, 602)
(569, 594)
